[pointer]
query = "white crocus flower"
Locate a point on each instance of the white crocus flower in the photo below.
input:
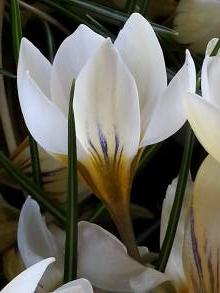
(194, 262)
(121, 104)
(203, 112)
(197, 21)
(102, 258)
(27, 281)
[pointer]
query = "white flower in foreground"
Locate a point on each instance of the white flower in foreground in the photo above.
(121, 104)
(203, 112)
(28, 280)
(102, 258)
(197, 21)
(194, 261)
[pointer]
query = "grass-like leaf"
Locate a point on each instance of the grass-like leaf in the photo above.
(97, 212)
(144, 6)
(75, 17)
(44, 16)
(16, 39)
(7, 73)
(31, 188)
(70, 267)
(100, 10)
(177, 205)
(16, 27)
(216, 49)
(50, 41)
(147, 155)
(107, 14)
(130, 6)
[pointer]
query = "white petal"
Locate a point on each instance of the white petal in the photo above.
(45, 121)
(70, 58)
(204, 119)
(36, 242)
(148, 280)
(210, 79)
(141, 51)
(104, 261)
(174, 268)
(169, 115)
(31, 59)
(106, 105)
(202, 241)
(78, 286)
(27, 281)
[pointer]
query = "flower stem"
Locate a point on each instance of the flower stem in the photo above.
(122, 219)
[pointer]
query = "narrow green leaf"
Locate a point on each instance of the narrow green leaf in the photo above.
(215, 50)
(70, 267)
(50, 41)
(177, 205)
(44, 16)
(76, 17)
(147, 155)
(31, 188)
(102, 28)
(16, 27)
(16, 39)
(130, 6)
(108, 14)
(97, 212)
(35, 161)
(163, 30)
(144, 6)
(141, 238)
(7, 73)
(100, 10)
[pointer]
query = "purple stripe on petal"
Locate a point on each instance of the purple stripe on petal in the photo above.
(103, 143)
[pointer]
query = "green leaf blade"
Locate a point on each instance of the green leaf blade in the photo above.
(70, 267)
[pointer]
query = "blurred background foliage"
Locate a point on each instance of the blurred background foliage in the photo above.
(47, 23)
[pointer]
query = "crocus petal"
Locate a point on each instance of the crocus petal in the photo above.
(107, 119)
(202, 242)
(36, 242)
(45, 121)
(70, 58)
(204, 119)
(31, 59)
(174, 268)
(28, 280)
(141, 51)
(209, 79)
(104, 261)
(169, 114)
(78, 286)
(147, 281)
(104, 93)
